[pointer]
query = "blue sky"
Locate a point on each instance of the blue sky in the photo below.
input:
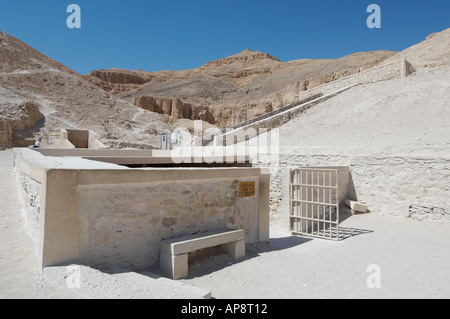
(159, 35)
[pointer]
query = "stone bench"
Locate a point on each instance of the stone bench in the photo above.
(174, 252)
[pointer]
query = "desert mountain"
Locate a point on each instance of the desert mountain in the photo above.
(39, 96)
(401, 116)
(231, 90)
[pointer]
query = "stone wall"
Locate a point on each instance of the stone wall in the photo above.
(96, 213)
(78, 138)
(123, 224)
(267, 122)
(313, 97)
(403, 186)
(380, 73)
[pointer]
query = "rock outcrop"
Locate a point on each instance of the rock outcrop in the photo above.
(118, 80)
(39, 96)
(173, 109)
(233, 89)
(131, 108)
(15, 120)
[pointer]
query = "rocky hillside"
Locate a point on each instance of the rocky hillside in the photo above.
(410, 115)
(39, 96)
(395, 136)
(230, 90)
(434, 51)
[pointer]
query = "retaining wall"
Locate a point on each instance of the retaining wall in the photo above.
(268, 121)
(403, 186)
(396, 69)
(316, 95)
(96, 213)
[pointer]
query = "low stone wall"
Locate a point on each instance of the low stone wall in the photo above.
(268, 121)
(384, 72)
(79, 139)
(123, 224)
(95, 213)
(271, 114)
(403, 186)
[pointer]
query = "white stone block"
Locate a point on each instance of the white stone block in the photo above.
(356, 207)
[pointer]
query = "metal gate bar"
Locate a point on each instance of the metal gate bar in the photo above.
(314, 205)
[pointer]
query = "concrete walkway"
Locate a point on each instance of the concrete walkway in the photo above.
(411, 260)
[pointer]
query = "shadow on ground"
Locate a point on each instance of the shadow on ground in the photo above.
(207, 261)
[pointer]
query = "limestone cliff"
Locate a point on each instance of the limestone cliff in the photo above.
(233, 89)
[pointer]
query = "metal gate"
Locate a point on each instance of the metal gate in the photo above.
(314, 204)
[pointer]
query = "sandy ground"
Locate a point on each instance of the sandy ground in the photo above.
(412, 260)
(19, 274)
(411, 257)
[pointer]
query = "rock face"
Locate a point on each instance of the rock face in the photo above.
(39, 96)
(233, 89)
(131, 108)
(173, 109)
(118, 80)
(15, 120)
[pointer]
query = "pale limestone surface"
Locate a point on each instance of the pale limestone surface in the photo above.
(413, 257)
(394, 136)
(97, 213)
(125, 223)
